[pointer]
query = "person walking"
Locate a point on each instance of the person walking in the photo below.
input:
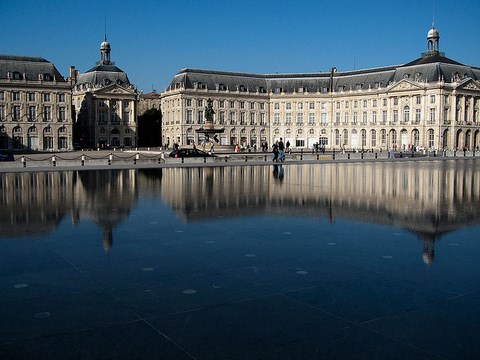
(281, 150)
(275, 152)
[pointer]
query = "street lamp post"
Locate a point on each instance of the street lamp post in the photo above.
(332, 71)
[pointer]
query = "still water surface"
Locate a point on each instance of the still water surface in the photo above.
(338, 261)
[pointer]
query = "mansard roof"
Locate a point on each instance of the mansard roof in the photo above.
(28, 68)
(425, 69)
(102, 74)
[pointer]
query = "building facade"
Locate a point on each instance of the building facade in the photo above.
(430, 103)
(105, 104)
(35, 105)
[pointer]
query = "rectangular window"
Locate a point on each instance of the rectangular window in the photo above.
(61, 97)
(374, 103)
(32, 113)
(355, 104)
(337, 118)
(126, 117)
(418, 115)
(2, 112)
(432, 116)
(288, 119)
(355, 118)
(395, 100)
(16, 113)
(200, 103)
(364, 103)
(432, 99)
(299, 143)
(384, 116)
(31, 96)
(62, 114)
(374, 117)
(323, 118)
(418, 99)
(395, 116)
(384, 102)
(232, 104)
(262, 118)
(276, 106)
(252, 106)
(200, 117)
(126, 103)
(222, 117)
(364, 118)
(300, 119)
(242, 104)
(47, 113)
(15, 96)
(233, 118)
(189, 117)
(311, 119)
(276, 119)
(288, 106)
(242, 117)
(252, 118)
(2, 95)
(311, 106)
(189, 102)
(101, 117)
(345, 118)
(262, 106)
(46, 97)
(101, 103)
(300, 106)
(221, 104)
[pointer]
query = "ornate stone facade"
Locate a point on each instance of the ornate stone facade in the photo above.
(105, 104)
(35, 105)
(432, 102)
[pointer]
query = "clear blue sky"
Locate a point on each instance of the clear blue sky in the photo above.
(153, 40)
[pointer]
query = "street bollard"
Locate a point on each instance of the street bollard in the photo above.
(110, 158)
(265, 157)
(318, 157)
(362, 155)
(137, 157)
(246, 158)
(301, 154)
(204, 159)
(376, 155)
(348, 156)
(54, 161)
(183, 159)
(24, 161)
(83, 160)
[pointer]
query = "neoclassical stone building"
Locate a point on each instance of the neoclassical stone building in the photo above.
(35, 105)
(105, 104)
(431, 102)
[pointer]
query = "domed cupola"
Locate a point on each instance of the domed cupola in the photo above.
(105, 52)
(433, 38)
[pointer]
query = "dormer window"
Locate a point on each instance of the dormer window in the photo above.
(242, 88)
(47, 77)
(17, 76)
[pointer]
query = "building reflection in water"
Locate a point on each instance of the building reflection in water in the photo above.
(427, 198)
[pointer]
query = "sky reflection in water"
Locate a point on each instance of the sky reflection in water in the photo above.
(350, 251)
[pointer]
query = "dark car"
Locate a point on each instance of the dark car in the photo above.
(181, 153)
(6, 157)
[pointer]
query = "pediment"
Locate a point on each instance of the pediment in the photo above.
(115, 89)
(403, 85)
(470, 85)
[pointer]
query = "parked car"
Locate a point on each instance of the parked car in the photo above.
(185, 152)
(6, 157)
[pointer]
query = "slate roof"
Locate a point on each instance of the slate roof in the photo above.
(102, 74)
(30, 67)
(428, 68)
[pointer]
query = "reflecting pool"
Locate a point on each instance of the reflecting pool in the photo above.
(328, 261)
